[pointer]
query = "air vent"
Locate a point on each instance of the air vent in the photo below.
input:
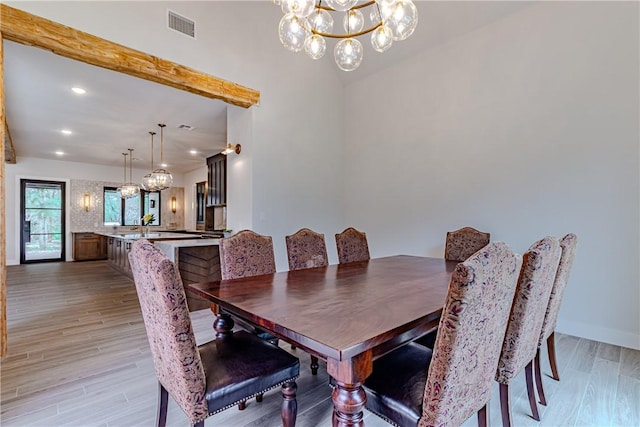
(181, 24)
(186, 127)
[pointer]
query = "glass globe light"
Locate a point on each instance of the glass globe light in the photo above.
(315, 46)
(162, 179)
(341, 5)
(301, 8)
(402, 20)
(320, 20)
(385, 3)
(149, 183)
(348, 54)
(353, 21)
(374, 15)
(293, 32)
(382, 38)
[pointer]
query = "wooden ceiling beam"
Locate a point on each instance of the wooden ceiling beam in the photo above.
(22, 27)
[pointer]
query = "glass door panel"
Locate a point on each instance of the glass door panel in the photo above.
(42, 214)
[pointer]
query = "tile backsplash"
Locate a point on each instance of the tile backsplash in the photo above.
(92, 220)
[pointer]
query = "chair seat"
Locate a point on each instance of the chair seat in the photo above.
(242, 366)
(396, 394)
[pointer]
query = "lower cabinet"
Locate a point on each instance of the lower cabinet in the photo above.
(89, 247)
(118, 255)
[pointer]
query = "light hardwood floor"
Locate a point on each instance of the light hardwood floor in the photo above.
(78, 355)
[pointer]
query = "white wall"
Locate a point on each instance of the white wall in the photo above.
(293, 167)
(525, 128)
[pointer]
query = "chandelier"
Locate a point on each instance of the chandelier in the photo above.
(159, 179)
(306, 24)
(128, 189)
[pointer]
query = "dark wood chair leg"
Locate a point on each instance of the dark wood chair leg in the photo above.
(551, 349)
(504, 405)
(242, 405)
(483, 416)
(539, 386)
(528, 370)
(259, 397)
(163, 404)
(314, 365)
(289, 410)
(293, 347)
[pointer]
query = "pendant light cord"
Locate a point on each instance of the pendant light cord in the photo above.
(124, 156)
(152, 133)
(130, 164)
(162, 125)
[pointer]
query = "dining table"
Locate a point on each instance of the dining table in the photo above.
(347, 314)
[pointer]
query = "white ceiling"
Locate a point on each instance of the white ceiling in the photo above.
(116, 113)
(118, 110)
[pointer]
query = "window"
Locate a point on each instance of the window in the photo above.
(118, 211)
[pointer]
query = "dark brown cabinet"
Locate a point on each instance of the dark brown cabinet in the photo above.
(89, 247)
(217, 180)
(118, 254)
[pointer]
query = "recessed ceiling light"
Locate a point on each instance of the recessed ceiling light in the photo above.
(78, 90)
(60, 153)
(164, 165)
(193, 152)
(66, 131)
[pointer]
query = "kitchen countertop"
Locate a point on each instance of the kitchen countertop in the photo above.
(152, 236)
(171, 247)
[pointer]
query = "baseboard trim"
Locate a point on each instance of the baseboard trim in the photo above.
(13, 262)
(598, 333)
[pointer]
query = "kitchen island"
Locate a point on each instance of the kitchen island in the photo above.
(119, 245)
(197, 260)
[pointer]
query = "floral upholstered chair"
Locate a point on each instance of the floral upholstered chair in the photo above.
(247, 254)
(463, 243)
(204, 379)
(352, 246)
(306, 249)
(413, 386)
(539, 267)
(568, 244)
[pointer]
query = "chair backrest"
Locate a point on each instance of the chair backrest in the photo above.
(539, 267)
(470, 335)
(306, 249)
(166, 318)
(246, 254)
(463, 243)
(352, 246)
(568, 244)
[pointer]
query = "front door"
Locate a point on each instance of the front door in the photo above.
(42, 221)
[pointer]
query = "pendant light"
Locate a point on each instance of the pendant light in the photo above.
(148, 183)
(129, 189)
(161, 177)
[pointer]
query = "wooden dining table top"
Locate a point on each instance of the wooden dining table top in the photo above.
(341, 311)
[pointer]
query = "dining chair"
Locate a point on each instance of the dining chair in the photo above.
(463, 243)
(414, 385)
(352, 246)
(306, 249)
(247, 254)
(568, 244)
(539, 266)
(209, 378)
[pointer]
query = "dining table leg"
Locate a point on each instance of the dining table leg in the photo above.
(348, 395)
